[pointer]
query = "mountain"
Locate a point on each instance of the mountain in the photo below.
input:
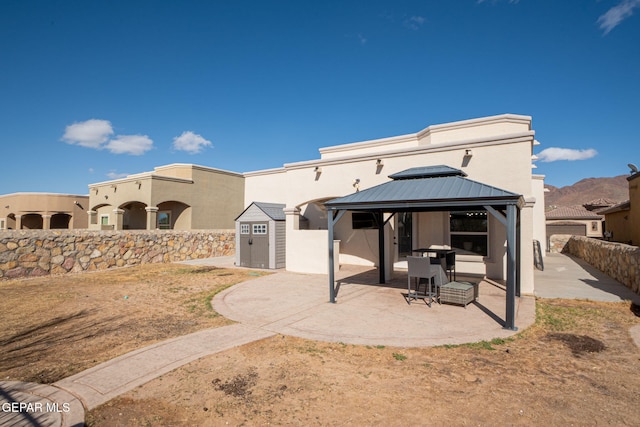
(588, 189)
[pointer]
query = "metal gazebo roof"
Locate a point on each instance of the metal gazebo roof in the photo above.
(433, 188)
(426, 188)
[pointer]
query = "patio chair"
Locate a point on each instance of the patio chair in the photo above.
(450, 264)
(420, 268)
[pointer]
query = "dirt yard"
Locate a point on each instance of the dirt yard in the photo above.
(54, 327)
(576, 366)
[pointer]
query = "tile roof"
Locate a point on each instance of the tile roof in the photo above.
(601, 202)
(624, 206)
(572, 212)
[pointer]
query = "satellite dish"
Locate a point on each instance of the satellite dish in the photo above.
(634, 168)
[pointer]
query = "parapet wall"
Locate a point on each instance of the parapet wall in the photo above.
(620, 261)
(25, 253)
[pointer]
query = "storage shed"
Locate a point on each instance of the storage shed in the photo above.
(260, 236)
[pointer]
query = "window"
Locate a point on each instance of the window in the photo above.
(469, 232)
(594, 225)
(363, 220)
(259, 228)
(244, 228)
(1, 224)
(104, 219)
(164, 220)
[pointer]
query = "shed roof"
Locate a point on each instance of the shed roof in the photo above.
(275, 211)
(426, 188)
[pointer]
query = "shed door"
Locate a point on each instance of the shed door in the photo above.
(254, 244)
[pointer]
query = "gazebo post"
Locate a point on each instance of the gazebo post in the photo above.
(381, 267)
(332, 289)
(513, 257)
(332, 218)
(511, 268)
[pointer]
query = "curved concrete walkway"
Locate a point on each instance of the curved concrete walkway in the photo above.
(296, 304)
(29, 404)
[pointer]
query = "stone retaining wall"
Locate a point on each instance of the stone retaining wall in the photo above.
(620, 261)
(25, 253)
(557, 242)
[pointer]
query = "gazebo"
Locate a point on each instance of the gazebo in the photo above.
(433, 188)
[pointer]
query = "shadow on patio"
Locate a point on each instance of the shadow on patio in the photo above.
(493, 290)
(367, 312)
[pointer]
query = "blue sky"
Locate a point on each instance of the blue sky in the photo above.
(94, 90)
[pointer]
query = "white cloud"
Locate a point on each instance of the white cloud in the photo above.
(115, 175)
(130, 144)
(97, 134)
(91, 133)
(614, 16)
(553, 154)
(414, 22)
(190, 142)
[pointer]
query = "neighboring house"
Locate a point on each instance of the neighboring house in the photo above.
(43, 211)
(599, 204)
(176, 196)
(490, 154)
(618, 223)
(623, 220)
(574, 220)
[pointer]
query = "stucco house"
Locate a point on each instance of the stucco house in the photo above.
(623, 219)
(491, 152)
(175, 196)
(489, 208)
(575, 220)
(43, 211)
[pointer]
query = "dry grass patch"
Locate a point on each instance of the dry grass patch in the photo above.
(54, 327)
(576, 366)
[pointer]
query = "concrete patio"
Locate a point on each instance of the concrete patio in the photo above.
(366, 312)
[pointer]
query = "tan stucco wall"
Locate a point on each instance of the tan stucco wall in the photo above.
(618, 223)
(537, 191)
(634, 211)
(502, 151)
(46, 205)
(506, 165)
(465, 130)
(198, 197)
(625, 224)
